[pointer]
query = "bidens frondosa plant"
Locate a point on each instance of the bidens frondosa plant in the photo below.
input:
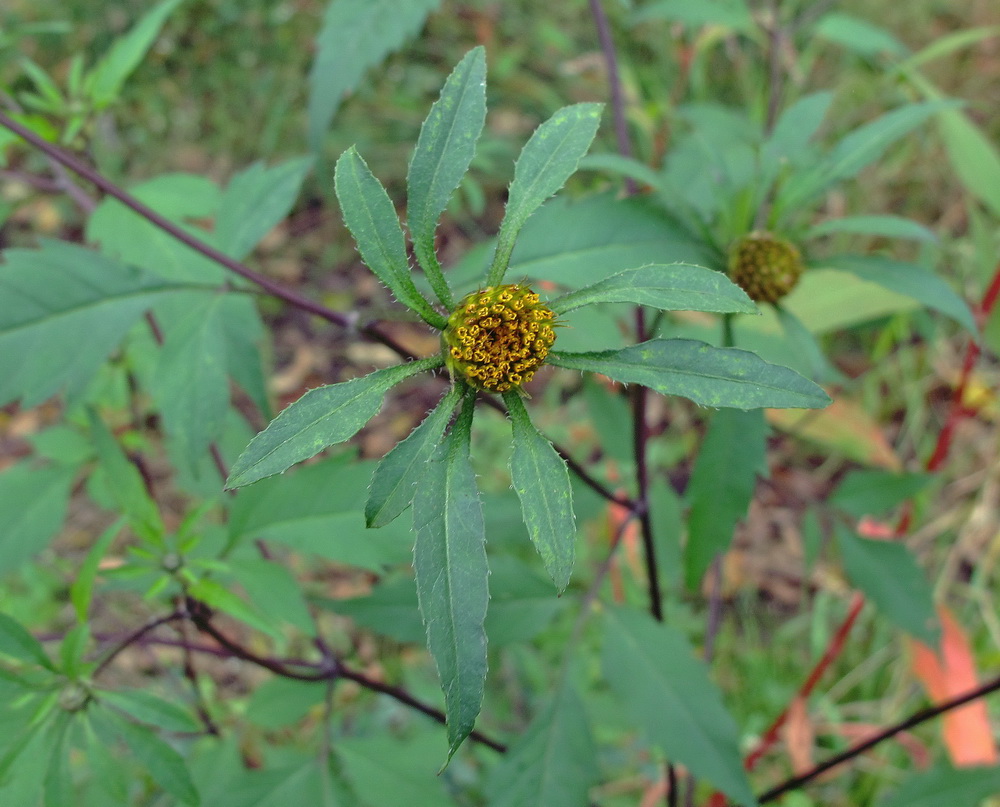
(493, 341)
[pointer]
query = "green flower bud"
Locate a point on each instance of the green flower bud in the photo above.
(498, 337)
(765, 266)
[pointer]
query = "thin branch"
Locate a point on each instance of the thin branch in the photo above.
(77, 166)
(404, 697)
(915, 719)
(133, 638)
(615, 86)
(833, 650)
(330, 670)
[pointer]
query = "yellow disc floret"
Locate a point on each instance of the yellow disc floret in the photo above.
(765, 266)
(498, 337)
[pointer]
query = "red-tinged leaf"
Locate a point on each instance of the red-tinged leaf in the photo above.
(843, 426)
(800, 736)
(967, 733)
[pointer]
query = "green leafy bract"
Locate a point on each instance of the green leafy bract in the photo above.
(396, 476)
(541, 480)
(548, 159)
(322, 417)
(669, 287)
(710, 376)
(888, 574)
(371, 218)
(356, 35)
(722, 485)
(553, 763)
(444, 150)
(669, 692)
(449, 561)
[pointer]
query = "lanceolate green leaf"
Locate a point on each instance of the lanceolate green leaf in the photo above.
(396, 477)
(33, 503)
(910, 279)
(548, 159)
(16, 642)
(255, 200)
(165, 765)
(888, 226)
(722, 485)
(125, 483)
(553, 763)
(858, 149)
(449, 561)
(541, 481)
(669, 693)
(889, 576)
(667, 286)
(66, 308)
(125, 55)
(356, 35)
(82, 588)
(944, 786)
(371, 218)
(322, 417)
(444, 150)
(710, 376)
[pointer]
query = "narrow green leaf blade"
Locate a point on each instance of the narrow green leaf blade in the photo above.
(944, 786)
(370, 216)
(165, 765)
(667, 286)
(554, 763)
(910, 279)
(33, 503)
(889, 576)
(860, 148)
(887, 226)
(710, 376)
(125, 482)
(255, 200)
(82, 588)
(541, 480)
(731, 456)
(548, 159)
(356, 35)
(396, 476)
(669, 693)
(975, 157)
(16, 642)
(322, 417)
(111, 72)
(57, 787)
(152, 710)
(444, 150)
(449, 561)
(190, 384)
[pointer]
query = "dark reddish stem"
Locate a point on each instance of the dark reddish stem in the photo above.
(77, 166)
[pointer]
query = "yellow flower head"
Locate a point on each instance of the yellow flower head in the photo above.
(498, 337)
